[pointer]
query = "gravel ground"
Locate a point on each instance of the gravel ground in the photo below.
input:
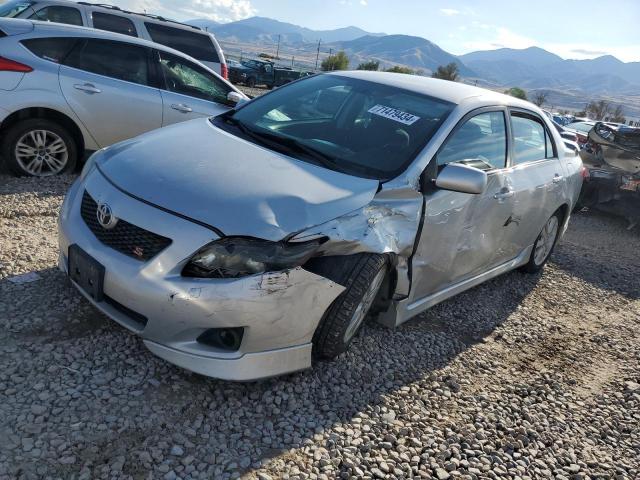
(523, 377)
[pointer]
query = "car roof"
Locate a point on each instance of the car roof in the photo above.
(454, 92)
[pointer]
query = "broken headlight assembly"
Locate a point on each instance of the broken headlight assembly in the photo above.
(234, 257)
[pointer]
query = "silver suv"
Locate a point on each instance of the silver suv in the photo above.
(66, 90)
(187, 39)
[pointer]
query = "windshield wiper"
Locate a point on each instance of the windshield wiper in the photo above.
(285, 144)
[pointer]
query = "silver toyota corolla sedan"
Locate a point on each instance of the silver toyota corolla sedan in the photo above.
(243, 246)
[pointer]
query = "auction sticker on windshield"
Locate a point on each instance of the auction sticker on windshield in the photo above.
(394, 114)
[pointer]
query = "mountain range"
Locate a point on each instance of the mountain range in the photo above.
(530, 68)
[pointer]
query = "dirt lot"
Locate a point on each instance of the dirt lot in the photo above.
(522, 377)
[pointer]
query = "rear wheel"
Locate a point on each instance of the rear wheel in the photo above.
(251, 82)
(39, 148)
(544, 245)
(362, 275)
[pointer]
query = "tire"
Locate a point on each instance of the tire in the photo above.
(40, 139)
(362, 275)
(546, 241)
(251, 82)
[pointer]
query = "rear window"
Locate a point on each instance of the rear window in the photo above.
(57, 14)
(114, 23)
(14, 8)
(118, 60)
(196, 45)
(52, 49)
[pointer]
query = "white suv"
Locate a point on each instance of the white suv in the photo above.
(65, 90)
(187, 39)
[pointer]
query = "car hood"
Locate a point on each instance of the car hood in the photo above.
(200, 171)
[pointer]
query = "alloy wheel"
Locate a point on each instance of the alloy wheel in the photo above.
(41, 153)
(545, 241)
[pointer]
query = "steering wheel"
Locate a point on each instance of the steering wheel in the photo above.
(401, 139)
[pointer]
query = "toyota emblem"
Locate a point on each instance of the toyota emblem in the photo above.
(106, 218)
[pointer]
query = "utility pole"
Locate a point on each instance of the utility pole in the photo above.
(318, 54)
(278, 49)
(292, 58)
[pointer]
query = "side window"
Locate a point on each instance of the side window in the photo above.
(317, 105)
(52, 49)
(481, 142)
(68, 15)
(531, 141)
(118, 60)
(183, 77)
(196, 45)
(114, 23)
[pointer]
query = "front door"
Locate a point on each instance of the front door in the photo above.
(463, 234)
(108, 85)
(189, 91)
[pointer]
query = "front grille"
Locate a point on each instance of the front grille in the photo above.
(125, 237)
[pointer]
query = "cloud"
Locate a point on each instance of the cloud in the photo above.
(363, 3)
(586, 52)
(449, 12)
(218, 10)
(502, 37)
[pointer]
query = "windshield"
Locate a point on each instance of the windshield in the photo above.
(14, 8)
(354, 126)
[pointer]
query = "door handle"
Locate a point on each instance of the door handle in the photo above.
(181, 107)
(87, 87)
(504, 193)
(557, 178)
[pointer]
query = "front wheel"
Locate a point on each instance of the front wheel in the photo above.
(544, 245)
(362, 275)
(39, 148)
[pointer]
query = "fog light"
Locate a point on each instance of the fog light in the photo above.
(223, 338)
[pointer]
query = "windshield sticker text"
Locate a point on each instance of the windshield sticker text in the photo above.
(394, 114)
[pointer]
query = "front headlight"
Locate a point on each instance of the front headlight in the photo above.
(234, 257)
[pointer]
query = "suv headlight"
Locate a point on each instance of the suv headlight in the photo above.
(234, 257)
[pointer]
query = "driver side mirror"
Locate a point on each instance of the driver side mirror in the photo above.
(236, 98)
(461, 178)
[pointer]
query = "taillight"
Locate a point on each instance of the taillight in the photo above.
(7, 65)
(224, 70)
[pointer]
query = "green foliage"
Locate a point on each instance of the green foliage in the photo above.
(447, 72)
(516, 92)
(602, 109)
(400, 69)
(339, 61)
(370, 65)
(266, 55)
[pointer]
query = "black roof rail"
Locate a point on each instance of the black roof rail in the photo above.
(155, 17)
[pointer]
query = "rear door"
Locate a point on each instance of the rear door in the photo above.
(537, 177)
(110, 85)
(188, 90)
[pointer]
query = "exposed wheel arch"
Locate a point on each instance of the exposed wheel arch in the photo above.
(49, 114)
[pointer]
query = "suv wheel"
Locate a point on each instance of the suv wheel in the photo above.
(39, 148)
(363, 275)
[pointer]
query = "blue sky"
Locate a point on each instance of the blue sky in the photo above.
(569, 28)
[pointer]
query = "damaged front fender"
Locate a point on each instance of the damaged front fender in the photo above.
(387, 225)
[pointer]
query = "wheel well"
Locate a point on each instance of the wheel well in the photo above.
(49, 114)
(564, 211)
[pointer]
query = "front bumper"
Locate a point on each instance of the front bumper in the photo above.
(279, 311)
